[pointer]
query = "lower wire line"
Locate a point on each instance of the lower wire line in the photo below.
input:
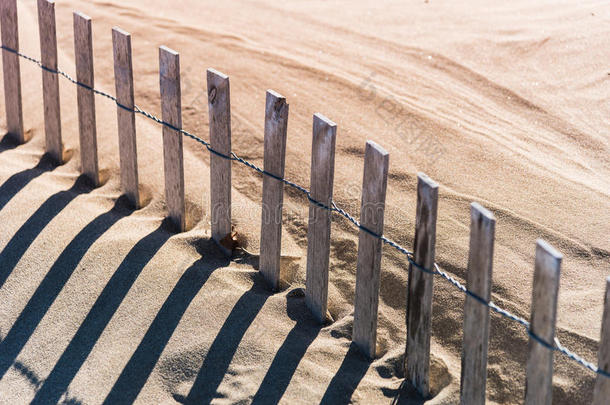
(555, 345)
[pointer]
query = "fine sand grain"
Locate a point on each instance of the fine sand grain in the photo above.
(503, 103)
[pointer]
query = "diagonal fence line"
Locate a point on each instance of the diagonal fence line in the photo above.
(555, 346)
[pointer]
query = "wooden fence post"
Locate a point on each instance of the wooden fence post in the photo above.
(171, 112)
(420, 289)
(219, 106)
(368, 268)
(601, 393)
(50, 82)
(12, 72)
(318, 230)
(83, 51)
(123, 80)
(539, 372)
(276, 122)
(476, 314)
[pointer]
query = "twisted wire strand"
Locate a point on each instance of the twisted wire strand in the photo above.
(554, 346)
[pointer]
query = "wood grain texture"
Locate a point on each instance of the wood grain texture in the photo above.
(50, 81)
(539, 372)
(12, 71)
(368, 267)
(171, 112)
(83, 51)
(126, 120)
(601, 392)
(276, 121)
(476, 315)
(420, 287)
(219, 106)
(318, 230)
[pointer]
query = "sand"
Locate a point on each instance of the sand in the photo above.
(503, 103)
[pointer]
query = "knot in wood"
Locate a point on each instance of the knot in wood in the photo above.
(279, 105)
(212, 95)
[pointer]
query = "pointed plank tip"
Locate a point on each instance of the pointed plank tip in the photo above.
(372, 145)
(275, 94)
(120, 31)
(216, 73)
(78, 14)
(323, 119)
(478, 210)
(423, 177)
(166, 49)
(549, 250)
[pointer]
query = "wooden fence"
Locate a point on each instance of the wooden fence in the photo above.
(376, 162)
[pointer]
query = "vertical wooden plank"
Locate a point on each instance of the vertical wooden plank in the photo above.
(539, 372)
(368, 268)
(476, 315)
(83, 51)
(276, 121)
(123, 79)
(601, 393)
(171, 110)
(50, 82)
(12, 72)
(420, 289)
(318, 231)
(219, 105)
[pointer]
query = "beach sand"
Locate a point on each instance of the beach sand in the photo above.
(503, 103)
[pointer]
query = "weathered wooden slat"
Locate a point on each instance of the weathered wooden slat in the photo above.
(83, 51)
(219, 106)
(171, 112)
(476, 314)
(123, 79)
(318, 231)
(420, 289)
(50, 81)
(601, 392)
(539, 372)
(276, 121)
(368, 267)
(12, 72)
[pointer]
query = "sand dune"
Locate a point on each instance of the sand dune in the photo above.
(505, 104)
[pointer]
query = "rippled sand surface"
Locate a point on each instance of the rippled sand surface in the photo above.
(503, 103)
